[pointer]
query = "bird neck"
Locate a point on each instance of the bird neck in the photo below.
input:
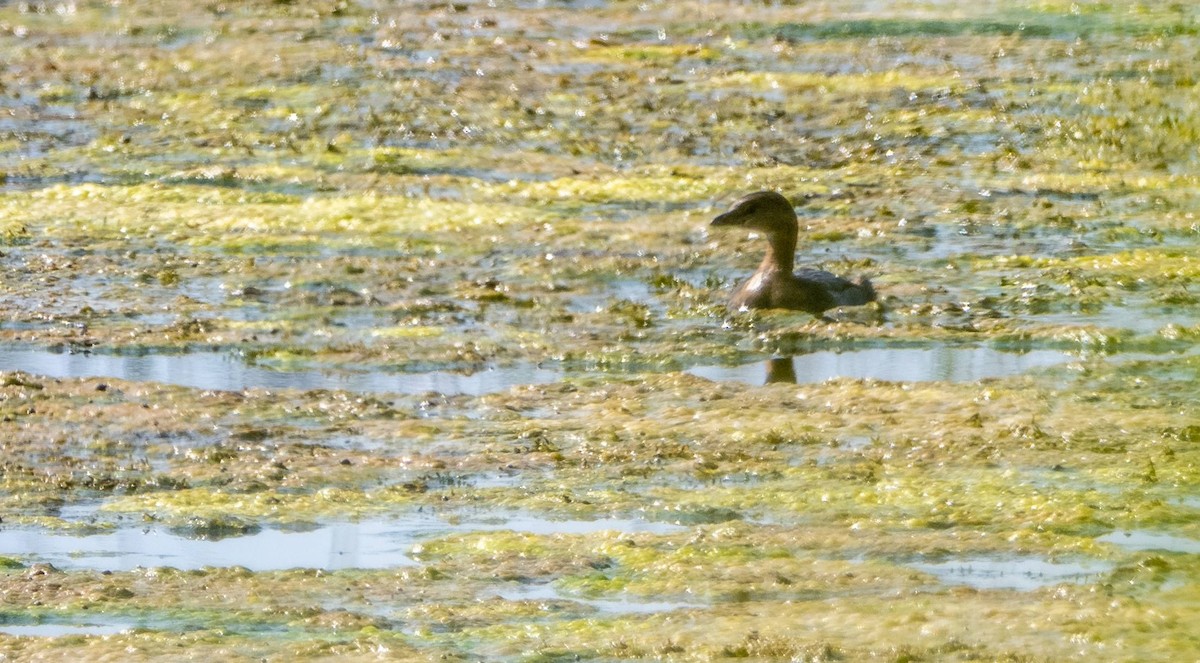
(781, 253)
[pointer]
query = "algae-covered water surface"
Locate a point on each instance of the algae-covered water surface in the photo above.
(365, 330)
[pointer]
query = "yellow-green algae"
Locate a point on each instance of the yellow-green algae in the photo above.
(460, 186)
(812, 524)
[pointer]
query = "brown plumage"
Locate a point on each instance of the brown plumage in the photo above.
(773, 284)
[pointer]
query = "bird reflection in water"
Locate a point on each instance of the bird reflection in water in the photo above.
(781, 369)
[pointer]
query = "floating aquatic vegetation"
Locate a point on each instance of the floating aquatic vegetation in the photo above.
(344, 330)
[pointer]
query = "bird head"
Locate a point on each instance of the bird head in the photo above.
(765, 211)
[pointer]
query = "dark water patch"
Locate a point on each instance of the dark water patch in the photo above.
(855, 442)
(940, 243)
(1029, 26)
(1147, 319)
(1019, 573)
(1053, 478)
(624, 605)
(1145, 540)
(225, 371)
(365, 544)
(17, 181)
(497, 480)
(955, 364)
(631, 290)
(870, 28)
(38, 132)
(697, 515)
(482, 480)
(848, 449)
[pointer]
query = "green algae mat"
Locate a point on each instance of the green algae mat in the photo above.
(373, 331)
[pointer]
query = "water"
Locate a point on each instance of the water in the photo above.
(71, 622)
(630, 290)
(366, 544)
(845, 448)
(1147, 318)
(541, 526)
(956, 364)
(1019, 573)
(370, 544)
(54, 630)
(225, 372)
(1144, 540)
(624, 605)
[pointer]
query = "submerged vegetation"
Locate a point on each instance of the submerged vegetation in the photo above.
(445, 273)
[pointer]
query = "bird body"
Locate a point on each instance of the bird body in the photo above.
(774, 284)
